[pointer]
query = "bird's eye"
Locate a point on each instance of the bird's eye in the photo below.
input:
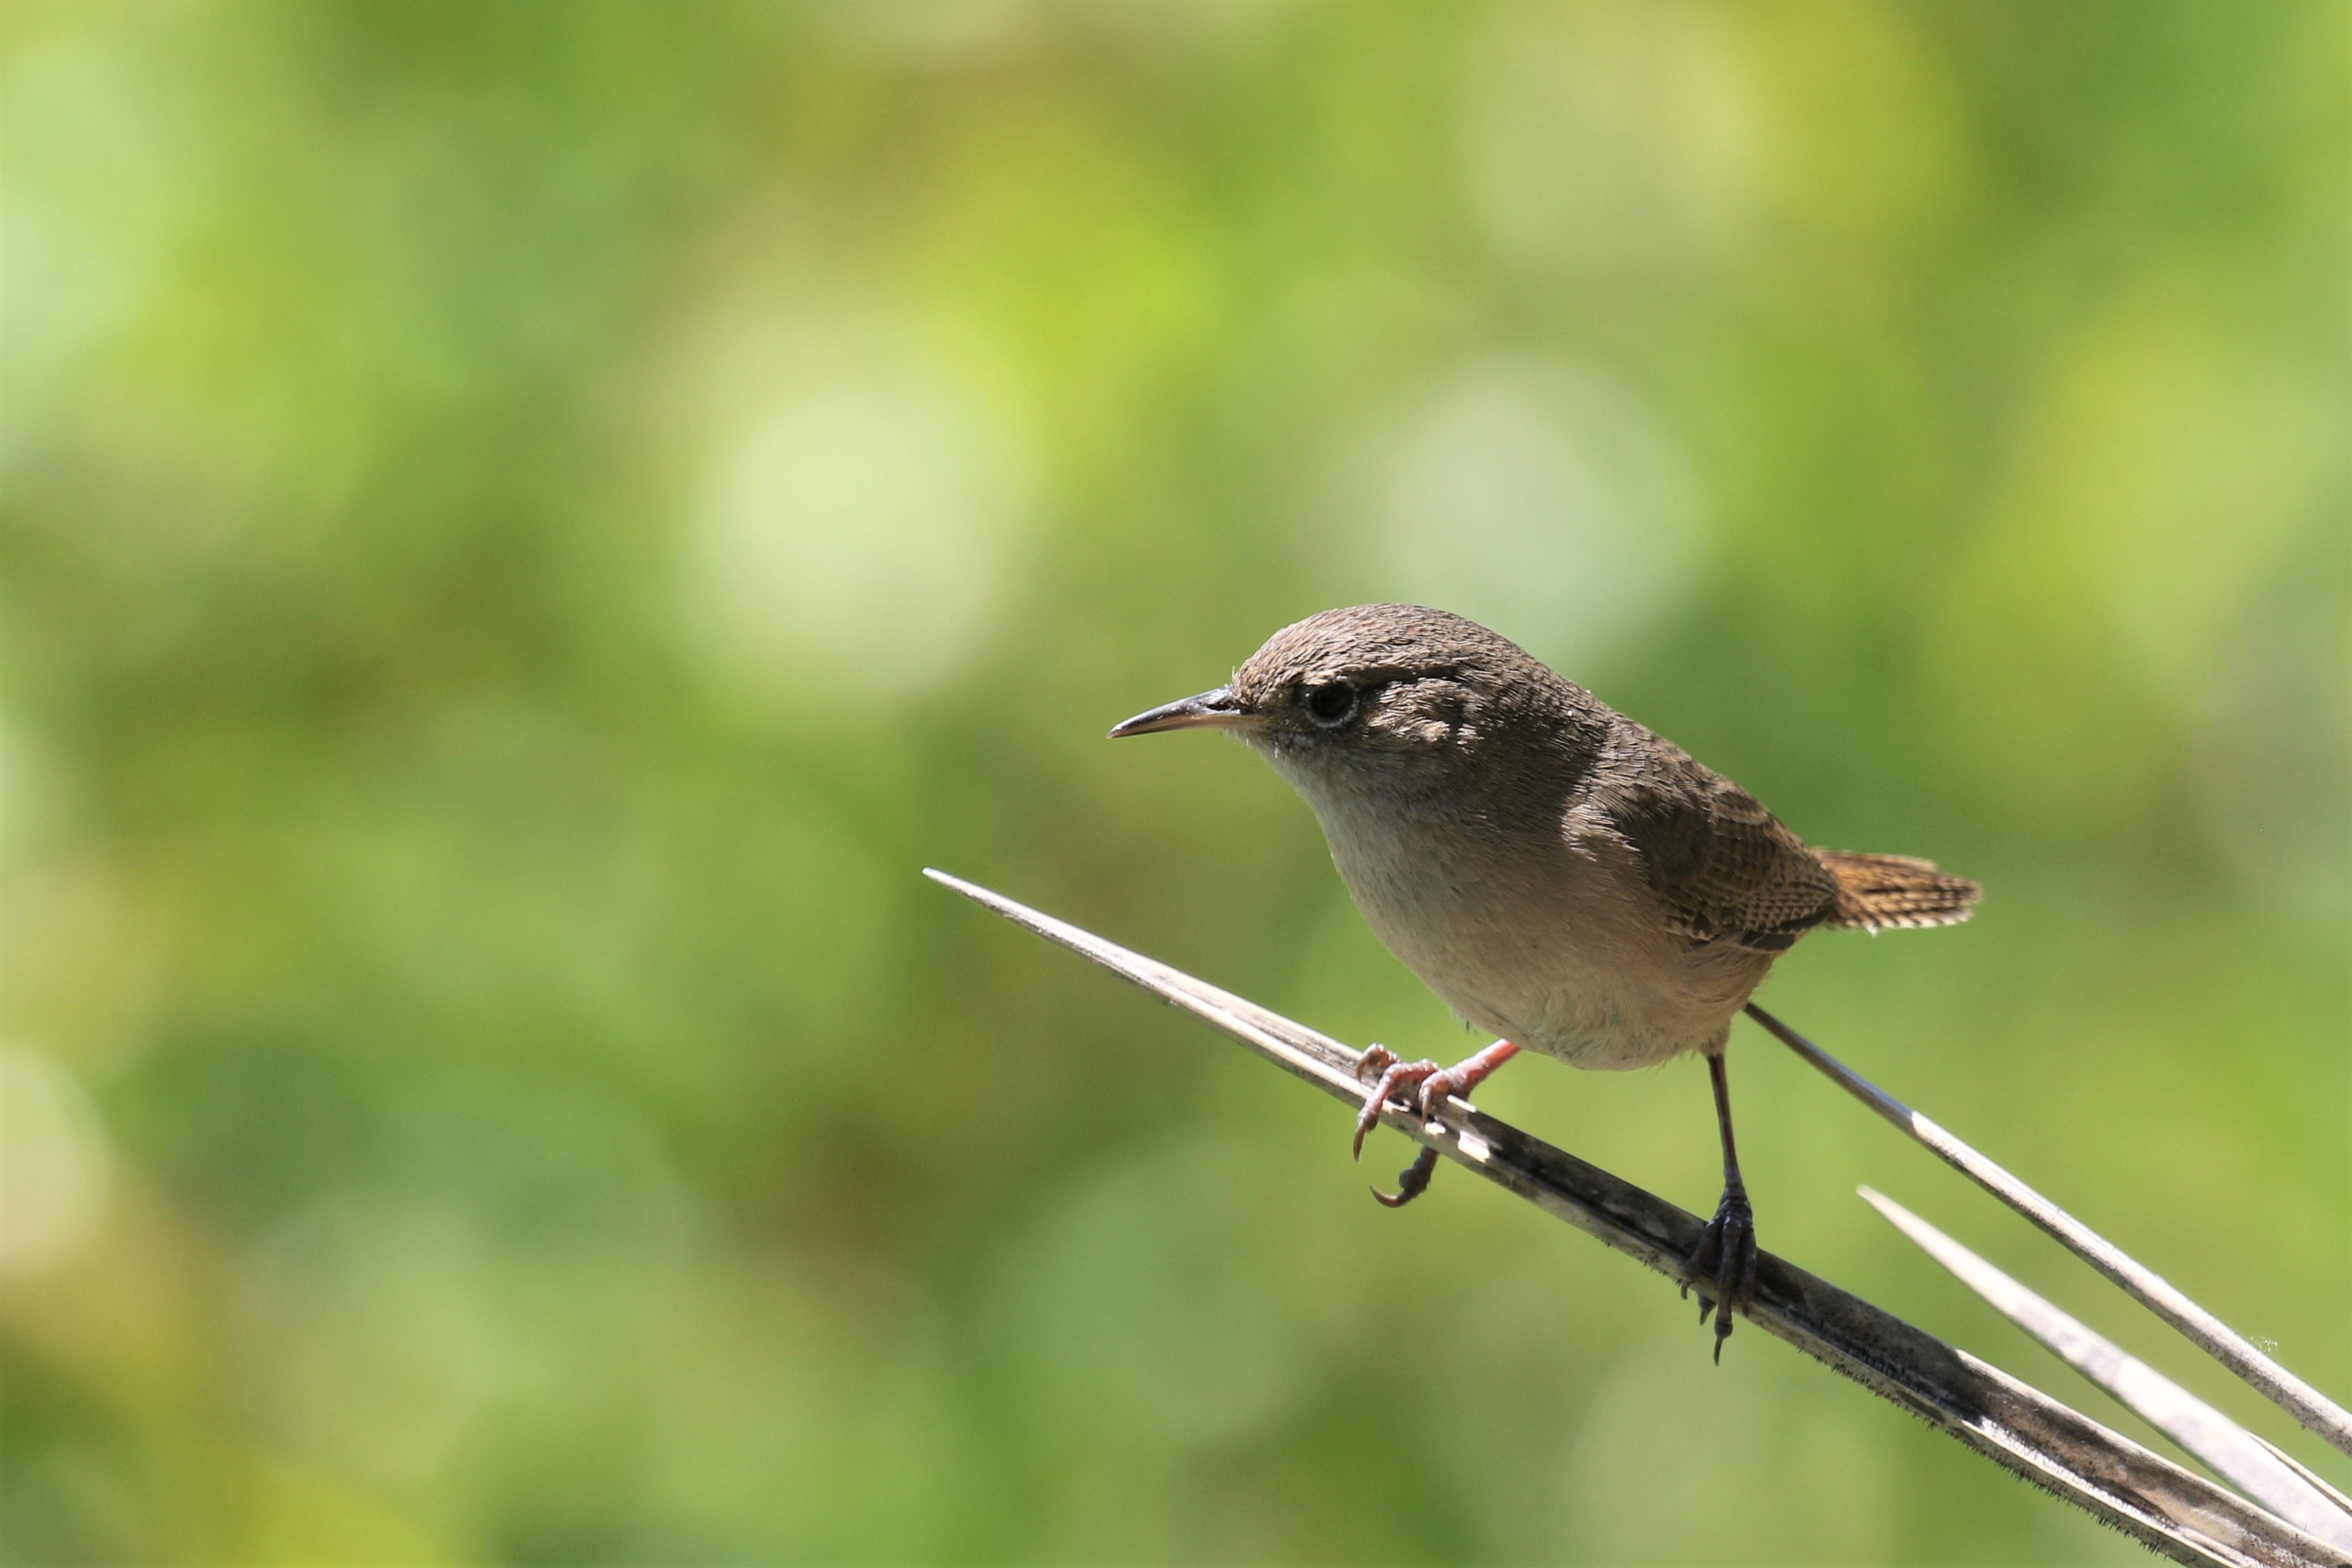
(1331, 705)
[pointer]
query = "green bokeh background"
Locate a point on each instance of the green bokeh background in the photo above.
(526, 524)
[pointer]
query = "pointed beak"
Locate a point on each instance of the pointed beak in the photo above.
(1218, 709)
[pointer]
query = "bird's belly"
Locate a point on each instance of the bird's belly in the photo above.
(1555, 961)
(1588, 1008)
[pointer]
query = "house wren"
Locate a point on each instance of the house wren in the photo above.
(1559, 876)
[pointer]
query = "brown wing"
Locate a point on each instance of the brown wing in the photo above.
(1720, 863)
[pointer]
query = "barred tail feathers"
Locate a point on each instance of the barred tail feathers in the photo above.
(1875, 892)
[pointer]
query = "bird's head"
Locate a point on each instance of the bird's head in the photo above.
(1376, 694)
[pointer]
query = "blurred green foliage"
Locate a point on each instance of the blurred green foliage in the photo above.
(526, 524)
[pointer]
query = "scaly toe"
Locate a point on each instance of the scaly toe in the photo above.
(1726, 1258)
(1399, 1077)
(1436, 1089)
(1702, 1260)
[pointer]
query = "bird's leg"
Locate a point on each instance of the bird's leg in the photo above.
(1726, 1248)
(1433, 1083)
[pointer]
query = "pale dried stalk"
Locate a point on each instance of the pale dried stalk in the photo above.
(2228, 1449)
(2315, 1410)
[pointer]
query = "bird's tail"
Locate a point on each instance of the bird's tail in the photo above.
(1879, 891)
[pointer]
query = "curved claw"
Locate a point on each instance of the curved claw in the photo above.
(1412, 1182)
(1374, 1063)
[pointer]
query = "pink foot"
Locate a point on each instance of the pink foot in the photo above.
(1428, 1085)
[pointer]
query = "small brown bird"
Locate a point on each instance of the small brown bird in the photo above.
(1559, 876)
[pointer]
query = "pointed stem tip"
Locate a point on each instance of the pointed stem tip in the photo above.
(2228, 1449)
(2316, 1411)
